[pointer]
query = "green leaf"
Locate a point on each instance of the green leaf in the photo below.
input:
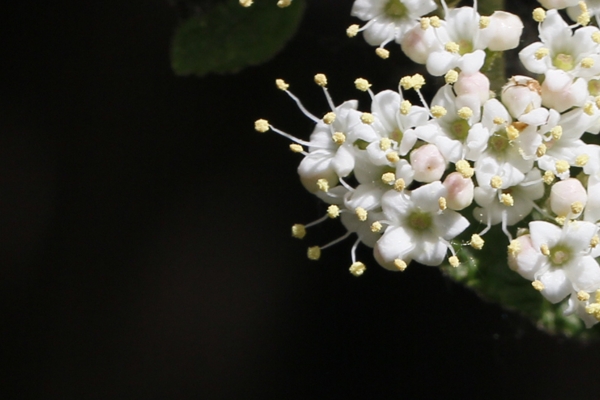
(230, 37)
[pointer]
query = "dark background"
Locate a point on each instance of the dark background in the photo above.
(145, 249)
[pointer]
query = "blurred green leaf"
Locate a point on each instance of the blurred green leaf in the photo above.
(230, 37)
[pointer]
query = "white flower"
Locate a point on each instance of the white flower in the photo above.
(559, 258)
(418, 230)
(389, 19)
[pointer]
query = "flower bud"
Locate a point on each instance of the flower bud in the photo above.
(428, 163)
(460, 191)
(503, 32)
(564, 194)
(523, 257)
(473, 84)
(520, 95)
(417, 44)
(561, 93)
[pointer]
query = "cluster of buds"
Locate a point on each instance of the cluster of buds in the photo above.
(421, 181)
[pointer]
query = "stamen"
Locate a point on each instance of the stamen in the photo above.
(425, 23)
(281, 84)
(261, 125)
(245, 3)
(545, 250)
(388, 178)
(548, 177)
(382, 53)
(562, 166)
(352, 30)
(376, 227)
(392, 157)
(595, 241)
(399, 185)
(314, 253)
(321, 80)
(583, 296)
(576, 207)
(560, 220)
(438, 111)
(451, 76)
(329, 118)
(499, 120)
(296, 148)
(587, 62)
(541, 150)
(385, 144)
(537, 285)
(361, 213)
(512, 133)
(333, 211)
(539, 15)
(367, 118)
(477, 242)
(362, 84)
(484, 22)
(452, 47)
(357, 268)
(541, 53)
(596, 37)
(514, 248)
(435, 21)
(465, 113)
(323, 185)
(284, 3)
(454, 262)
(588, 108)
(442, 203)
(496, 182)
(464, 168)
(401, 265)
(556, 132)
(405, 107)
(298, 231)
(339, 138)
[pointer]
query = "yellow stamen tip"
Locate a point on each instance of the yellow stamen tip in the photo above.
(298, 231)
(362, 84)
(314, 253)
(352, 30)
(329, 118)
(281, 84)
(537, 285)
(539, 15)
(246, 3)
(296, 148)
(477, 242)
(442, 203)
(323, 185)
(261, 125)
(388, 178)
(451, 76)
(321, 80)
(454, 262)
(376, 227)
(562, 166)
(357, 268)
(438, 111)
(333, 211)
(583, 296)
(382, 53)
(361, 213)
(367, 118)
(400, 264)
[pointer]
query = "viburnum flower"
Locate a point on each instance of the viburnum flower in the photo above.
(389, 20)
(417, 228)
(558, 260)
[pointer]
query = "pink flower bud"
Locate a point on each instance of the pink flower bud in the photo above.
(460, 191)
(560, 92)
(524, 259)
(473, 84)
(417, 44)
(428, 163)
(564, 194)
(503, 32)
(520, 95)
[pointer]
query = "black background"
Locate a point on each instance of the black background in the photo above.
(145, 249)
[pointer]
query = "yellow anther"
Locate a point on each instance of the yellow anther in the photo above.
(512, 133)
(362, 84)
(477, 242)
(587, 62)
(261, 125)
(452, 47)
(367, 118)
(435, 21)
(507, 199)
(361, 213)
(539, 15)
(537, 285)
(352, 30)
(541, 53)
(496, 182)
(499, 120)
(576, 207)
(556, 132)
(454, 261)
(321, 80)
(593, 309)
(417, 81)
(333, 211)
(406, 82)
(401, 265)
(451, 76)
(541, 150)
(376, 227)
(484, 22)
(514, 248)
(562, 166)
(296, 148)
(385, 144)
(548, 177)
(323, 185)
(583, 18)
(314, 253)
(425, 23)
(405, 107)
(329, 118)
(597, 101)
(464, 168)
(465, 113)
(298, 231)
(245, 3)
(597, 296)
(399, 185)
(544, 249)
(588, 108)
(583, 296)
(281, 84)
(581, 160)
(284, 3)
(383, 53)
(560, 220)
(595, 241)
(388, 178)
(392, 157)
(357, 268)
(438, 111)
(442, 203)
(596, 37)
(338, 137)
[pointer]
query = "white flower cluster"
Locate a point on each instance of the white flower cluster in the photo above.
(408, 179)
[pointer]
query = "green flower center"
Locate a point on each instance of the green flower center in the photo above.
(396, 9)
(564, 62)
(419, 220)
(559, 255)
(459, 129)
(397, 135)
(498, 142)
(464, 47)
(594, 87)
